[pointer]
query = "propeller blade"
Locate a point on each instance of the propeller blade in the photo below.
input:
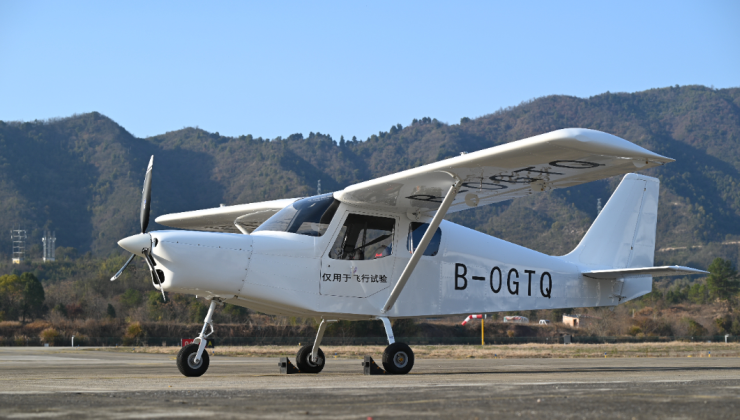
(118, 274)
(146, 196)
(153, 272)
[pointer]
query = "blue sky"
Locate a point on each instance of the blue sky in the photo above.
(345, 68)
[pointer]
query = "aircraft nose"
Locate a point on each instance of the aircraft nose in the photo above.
(135, 243)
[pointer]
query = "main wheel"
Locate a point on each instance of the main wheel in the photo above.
(304, 362)
(186, 361)
(398, 359)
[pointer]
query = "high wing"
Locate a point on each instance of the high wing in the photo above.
(559, 159)
(234, 219)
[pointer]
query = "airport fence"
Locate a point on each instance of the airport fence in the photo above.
(348, 341)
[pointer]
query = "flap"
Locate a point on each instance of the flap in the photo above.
(669, 270)
(558, 159)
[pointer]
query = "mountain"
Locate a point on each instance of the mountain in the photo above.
(81, 176)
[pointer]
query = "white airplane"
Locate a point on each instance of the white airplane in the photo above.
(380, 249)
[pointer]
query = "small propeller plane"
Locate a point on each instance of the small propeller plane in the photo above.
(380, 249)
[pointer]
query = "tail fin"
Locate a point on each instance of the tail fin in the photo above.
(623, 235)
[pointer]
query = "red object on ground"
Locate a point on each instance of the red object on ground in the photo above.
(478, 316)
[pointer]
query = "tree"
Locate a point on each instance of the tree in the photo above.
(21, 296)
(155, 303)
(722, 281)
(111, 311)
(33, 295)
(11, 295)
(697, 293)
(131, 298)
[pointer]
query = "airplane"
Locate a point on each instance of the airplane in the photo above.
(380, 249)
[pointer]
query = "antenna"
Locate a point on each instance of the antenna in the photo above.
(598, 206)
(49, 240)
(318, 190)
(18, 236)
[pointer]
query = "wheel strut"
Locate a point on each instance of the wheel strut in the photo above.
(201, 339)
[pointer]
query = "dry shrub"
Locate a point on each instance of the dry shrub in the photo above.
(49, 335)
(511, 333)
(529, 350)
(646, 311)
(38, 325)
(695, 329)
(134, 330)
(20, 340)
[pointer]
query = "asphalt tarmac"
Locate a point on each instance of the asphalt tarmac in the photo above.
(71, 383)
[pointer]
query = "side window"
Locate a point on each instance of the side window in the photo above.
(364, 238)
(416, 232)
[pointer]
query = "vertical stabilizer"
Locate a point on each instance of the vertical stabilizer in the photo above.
(623, 235)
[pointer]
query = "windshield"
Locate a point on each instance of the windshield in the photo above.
(309, 216)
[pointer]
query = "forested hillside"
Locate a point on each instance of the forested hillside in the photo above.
(81, 176)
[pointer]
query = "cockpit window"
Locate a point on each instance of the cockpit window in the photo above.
(364, 238)
(309, 216)
(416, 232)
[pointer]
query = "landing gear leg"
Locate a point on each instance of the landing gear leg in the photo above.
(192, 360)
(398, 358)
(310, 359)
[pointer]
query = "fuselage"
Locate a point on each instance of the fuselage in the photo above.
(301, 275)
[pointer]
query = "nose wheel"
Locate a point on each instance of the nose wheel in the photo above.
(192, 360)
(398, 359)
(187, 361)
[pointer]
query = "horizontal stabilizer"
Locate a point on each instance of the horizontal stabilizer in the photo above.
(668, 270)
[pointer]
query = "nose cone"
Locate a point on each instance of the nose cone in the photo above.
(134, 244)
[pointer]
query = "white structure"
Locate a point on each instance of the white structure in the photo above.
(516, 319)
(380, 249)
(49, 240)
(18, 237)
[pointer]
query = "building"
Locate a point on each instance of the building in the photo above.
(572, 320)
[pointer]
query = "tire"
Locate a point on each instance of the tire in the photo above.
(398, 359)
(304, 363)
(185, 359)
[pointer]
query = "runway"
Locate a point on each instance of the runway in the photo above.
(71, 383)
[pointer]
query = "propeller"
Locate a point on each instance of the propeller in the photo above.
(137, 240)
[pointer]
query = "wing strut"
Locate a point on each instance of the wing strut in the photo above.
(419, 251)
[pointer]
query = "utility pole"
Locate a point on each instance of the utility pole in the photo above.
(482, 335)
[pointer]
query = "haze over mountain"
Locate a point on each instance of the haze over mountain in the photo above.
(81, 176)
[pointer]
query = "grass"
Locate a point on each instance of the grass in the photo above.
(530, 350)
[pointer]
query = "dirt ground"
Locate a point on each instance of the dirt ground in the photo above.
(531, 350)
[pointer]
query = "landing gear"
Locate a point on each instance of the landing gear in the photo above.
(308, 365)
(398, 358)
(192, 360)
(186, 361)
(310, 358)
